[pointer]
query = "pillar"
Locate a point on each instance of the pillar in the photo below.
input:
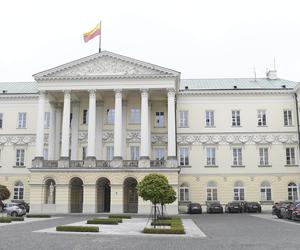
(52, 128)
(172, 161)
(65, 141)
(74, 131)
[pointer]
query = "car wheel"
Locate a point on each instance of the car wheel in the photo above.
(14, 214)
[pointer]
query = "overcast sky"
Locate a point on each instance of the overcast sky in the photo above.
(201, 39)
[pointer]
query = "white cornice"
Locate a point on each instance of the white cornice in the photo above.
(235, 92)
(18, 96)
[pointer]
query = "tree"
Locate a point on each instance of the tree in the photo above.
(4, 195)
(153, 188)
(169, 197)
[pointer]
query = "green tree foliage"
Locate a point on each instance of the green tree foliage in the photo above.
(168, 198)
(4, 193)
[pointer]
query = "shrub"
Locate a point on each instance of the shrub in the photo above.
(16, 218)
(5, 220)
(163, 231)
(120, 216)
(38, 216)
(175, 223)
(110, 221)
(77, 229)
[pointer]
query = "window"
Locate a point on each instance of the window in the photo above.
(290, 156)
(1, 120)
(261, 118)
(183, 119)
(47, 120)
(159, 119)
(22, 120)
(265, 191)
(109, 153)
(236, 119)
(20, 157)
(85, 116)
(210, 118)
(50, 190)
(135, 115)
(84, 150)
(184, 192)
(292, 192)
(184, 156)
(18, 191)
(237, 157)
(239, 192)
(263, 156)
(45, 153)
(110, 116)
(135, 153)
(287, 115)
(210, 156)
(212, 191)
(159, 154)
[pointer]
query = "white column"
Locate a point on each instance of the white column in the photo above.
(144, 125)
(150, 126)
(65, 138)
(99, 110)
(171, 125)
(124, 129)
(74, 131)
(39, 150)
(92, 124)
(58, 124)
(118, 125)
(51, 144)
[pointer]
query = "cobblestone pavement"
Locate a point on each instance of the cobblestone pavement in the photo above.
(224, 231)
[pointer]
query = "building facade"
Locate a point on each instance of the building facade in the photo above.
(82, 135)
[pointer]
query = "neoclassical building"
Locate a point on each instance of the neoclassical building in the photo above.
(81, 136)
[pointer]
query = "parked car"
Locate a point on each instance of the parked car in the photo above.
(15, 209)
(194, 208)
(290, 209)
(252, 206)
(296, 212)
(233, 207)
(214, 207)
(25, 204)
(280, 208)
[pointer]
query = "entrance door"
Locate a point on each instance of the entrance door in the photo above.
(76, 195)
(130, 195)
(103, 195)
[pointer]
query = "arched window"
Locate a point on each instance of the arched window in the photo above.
(292, 192)
(212, 191)
(239, 191)
(184, 192)
(50, 191)
(265, 191)
(18, 191)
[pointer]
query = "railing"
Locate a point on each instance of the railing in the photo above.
(50, 164)
(158, 163)
(102, 164)
(130, 164)
(76, 164)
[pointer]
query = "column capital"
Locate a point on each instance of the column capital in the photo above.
(144, 92)
(171, 92)
(67, 92)
(92, 92)
(118, 92)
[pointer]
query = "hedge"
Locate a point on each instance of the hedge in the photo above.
(77, 229)
(16, 218)
(38, 216)
(5, 220)
(110, 221)
(120, 216)
(174, 223)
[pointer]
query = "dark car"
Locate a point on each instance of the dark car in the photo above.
(252, 206)
(233, 207)
(214, 207)
(290, 209)
(296, 212)
(194, 208)
(280, 208)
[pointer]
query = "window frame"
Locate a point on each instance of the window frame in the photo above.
(1, 120)
(109, 153)
(161, 150)
(290, 156)
(135, 115)
(287, 117)
(110, 116)
(211, 156)
(265, 191)
(20, 157)
(238, 192)
(261, 118)
(292, 191)
(263, 156)
(235, 118)
(18, 190)
(134, 153)
(183, 118)
(209, 118)
(85, 116)
(159, 119)
(184, 192)
(237, 158)
(22, 120)
(184, 156)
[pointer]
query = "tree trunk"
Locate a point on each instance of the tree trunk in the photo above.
(155, 219)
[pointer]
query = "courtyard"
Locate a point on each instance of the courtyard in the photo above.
(222, 231)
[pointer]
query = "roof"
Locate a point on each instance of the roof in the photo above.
(240, 83)
(18, 87)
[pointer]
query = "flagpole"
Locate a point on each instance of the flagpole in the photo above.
(100, 38)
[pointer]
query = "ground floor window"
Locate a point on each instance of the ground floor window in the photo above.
(292, 192)
(184, 192)
(239, 191)
(266, 191)
(18, 191)
(212, 191)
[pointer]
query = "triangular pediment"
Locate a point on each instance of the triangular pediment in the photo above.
(105, 64)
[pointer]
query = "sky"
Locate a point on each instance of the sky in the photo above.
(200, 39)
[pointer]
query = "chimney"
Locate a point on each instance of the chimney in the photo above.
(271, 74)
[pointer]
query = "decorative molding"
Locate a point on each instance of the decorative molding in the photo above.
(19, 140)
(234, 92)
(231, 139)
